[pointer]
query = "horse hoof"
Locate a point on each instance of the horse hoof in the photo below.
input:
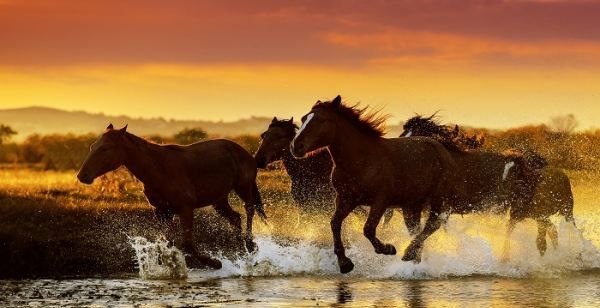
(412, 254)
(346, 265)
(250, 246)
(387, 249)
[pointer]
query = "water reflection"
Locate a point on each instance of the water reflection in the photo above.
(344, 293)
(566, 291)
(414, 294)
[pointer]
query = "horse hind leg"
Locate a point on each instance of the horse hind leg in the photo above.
(370, 230)
(252, 201)
(437, 215)
(512, 222)
(223, 208)
(553, 234)
(543, 225)
(412, 220)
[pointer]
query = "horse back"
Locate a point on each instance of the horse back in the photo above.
(214, 165)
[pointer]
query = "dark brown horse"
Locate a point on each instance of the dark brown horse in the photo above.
(378, 172)
(177, 179)
(519, 181)
(310, 176)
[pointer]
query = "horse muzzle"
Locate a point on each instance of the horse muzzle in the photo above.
(85, 178)
(298, 149)
(261, 162)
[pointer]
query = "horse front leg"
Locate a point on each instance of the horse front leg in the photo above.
(370, 229)
(437, 215)
(193, 257)
(342, 209)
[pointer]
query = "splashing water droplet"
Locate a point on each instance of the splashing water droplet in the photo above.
(158, 260)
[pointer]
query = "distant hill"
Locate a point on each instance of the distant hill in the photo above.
(43, 120)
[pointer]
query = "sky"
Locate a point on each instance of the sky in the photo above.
(494, 63)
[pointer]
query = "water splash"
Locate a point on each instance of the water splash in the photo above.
(467, 247)
(158, 259)
(462, 250)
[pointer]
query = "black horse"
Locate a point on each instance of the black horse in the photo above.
(518, 181)
(310, 176)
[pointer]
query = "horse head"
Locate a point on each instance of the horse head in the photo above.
(275, 141)
(106, 154)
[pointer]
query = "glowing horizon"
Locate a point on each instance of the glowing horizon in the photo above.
(490, 64)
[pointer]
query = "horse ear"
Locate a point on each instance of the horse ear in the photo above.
(110, 127)
(337, 101)
(456, 128)
(291, 120)
(124, 129)
(274, 120)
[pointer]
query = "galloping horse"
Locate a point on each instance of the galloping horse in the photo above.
(521, 181)
(378, 172)
(177, 179)
(310, 176)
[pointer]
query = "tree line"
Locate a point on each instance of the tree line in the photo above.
(557, 141)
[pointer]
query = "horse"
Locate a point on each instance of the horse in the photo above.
(520, 180)
(178, 179)
(378, 172)
(310, 176)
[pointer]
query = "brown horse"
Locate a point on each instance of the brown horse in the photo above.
(378, 172)
(177, 179)
(519, 180)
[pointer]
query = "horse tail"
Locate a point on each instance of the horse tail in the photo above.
(258, 204)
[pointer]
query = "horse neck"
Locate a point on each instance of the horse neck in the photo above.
(350, 145)
(292, 165)
(142, 159)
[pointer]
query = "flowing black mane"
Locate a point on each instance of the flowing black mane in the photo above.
(453, 138)
(287, 125)
(371, 123)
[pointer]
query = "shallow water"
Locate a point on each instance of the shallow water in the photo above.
(295, 266)
(458, 269)
(578, 289)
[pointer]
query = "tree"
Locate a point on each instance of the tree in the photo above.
(6, 132)
(565, 124)
(190, 135)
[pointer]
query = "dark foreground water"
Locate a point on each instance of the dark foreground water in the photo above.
(576, 290)
(461, 267)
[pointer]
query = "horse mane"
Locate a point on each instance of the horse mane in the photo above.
(453, 138)
(370, 123)
(287, 125)
(529, 159)
(139, 141)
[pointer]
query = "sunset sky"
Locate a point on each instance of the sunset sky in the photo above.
(484, 63)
